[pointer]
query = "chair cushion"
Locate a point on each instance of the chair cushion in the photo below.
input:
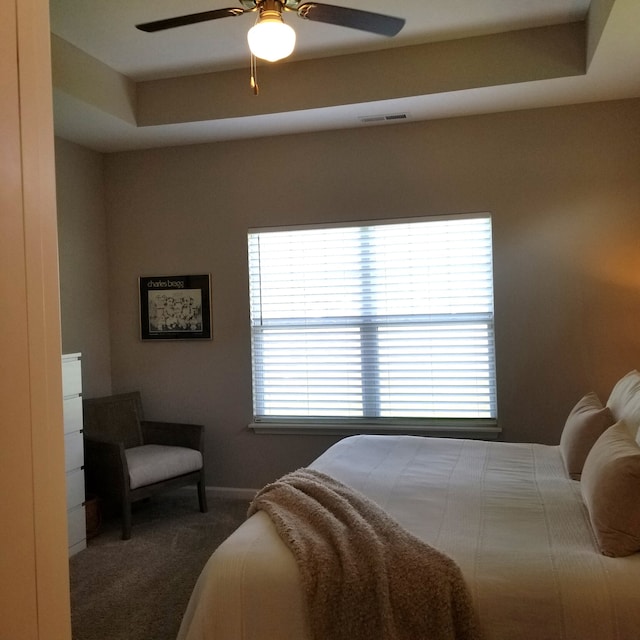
(153, 463)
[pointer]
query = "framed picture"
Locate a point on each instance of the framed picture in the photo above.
(175, 308)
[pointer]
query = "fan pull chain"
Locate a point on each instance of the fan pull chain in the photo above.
(254, 74)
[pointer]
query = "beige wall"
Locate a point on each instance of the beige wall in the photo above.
(82, 236)
(562, 184)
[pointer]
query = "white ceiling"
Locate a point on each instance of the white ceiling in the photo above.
(105, 31)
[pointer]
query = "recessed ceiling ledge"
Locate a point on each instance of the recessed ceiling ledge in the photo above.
(482, 61)
(92, 82)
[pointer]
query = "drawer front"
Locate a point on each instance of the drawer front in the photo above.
(71, 377)
(73, 451)
(72, 408)
(77, 525)
(75, 488)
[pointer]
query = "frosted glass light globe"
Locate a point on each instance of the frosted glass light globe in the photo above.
(271, 39)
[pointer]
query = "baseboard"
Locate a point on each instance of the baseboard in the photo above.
(230, 493)
(237, 493)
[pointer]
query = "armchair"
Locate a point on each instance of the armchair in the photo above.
(128, 458)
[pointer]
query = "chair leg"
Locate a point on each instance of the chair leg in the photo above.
(126, 519)
(202, 496)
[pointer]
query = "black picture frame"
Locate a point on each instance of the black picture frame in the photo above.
(175, 307)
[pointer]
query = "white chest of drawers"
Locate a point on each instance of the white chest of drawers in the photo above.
(74, 450)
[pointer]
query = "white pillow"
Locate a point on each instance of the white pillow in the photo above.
(624, 401)
(586, 423)
(609, 485)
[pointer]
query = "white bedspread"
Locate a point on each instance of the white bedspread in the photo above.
(506, 513)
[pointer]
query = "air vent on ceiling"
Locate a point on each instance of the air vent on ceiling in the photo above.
(384, 118)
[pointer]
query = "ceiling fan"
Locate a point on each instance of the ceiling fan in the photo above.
(270, 38)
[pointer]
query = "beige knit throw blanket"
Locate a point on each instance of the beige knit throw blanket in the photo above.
(364, 576)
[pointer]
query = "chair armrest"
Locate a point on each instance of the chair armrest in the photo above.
(105, 466)
(173, 434)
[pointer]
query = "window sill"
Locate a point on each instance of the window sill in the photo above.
(474, 429)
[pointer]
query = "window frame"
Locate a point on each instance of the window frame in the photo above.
(466, 427)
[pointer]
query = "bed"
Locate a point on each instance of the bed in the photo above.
(545, 555)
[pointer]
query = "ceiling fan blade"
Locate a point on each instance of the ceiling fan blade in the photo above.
(192, 18)
(353, 18)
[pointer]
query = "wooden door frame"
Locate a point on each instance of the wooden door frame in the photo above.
(34, 578)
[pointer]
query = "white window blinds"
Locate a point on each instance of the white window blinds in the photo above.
(377, 321)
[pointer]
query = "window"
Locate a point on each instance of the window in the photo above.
(385, 323)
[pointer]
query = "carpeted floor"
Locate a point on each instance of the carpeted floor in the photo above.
(138, 589)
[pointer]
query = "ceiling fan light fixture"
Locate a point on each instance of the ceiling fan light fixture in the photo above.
(270, 38)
